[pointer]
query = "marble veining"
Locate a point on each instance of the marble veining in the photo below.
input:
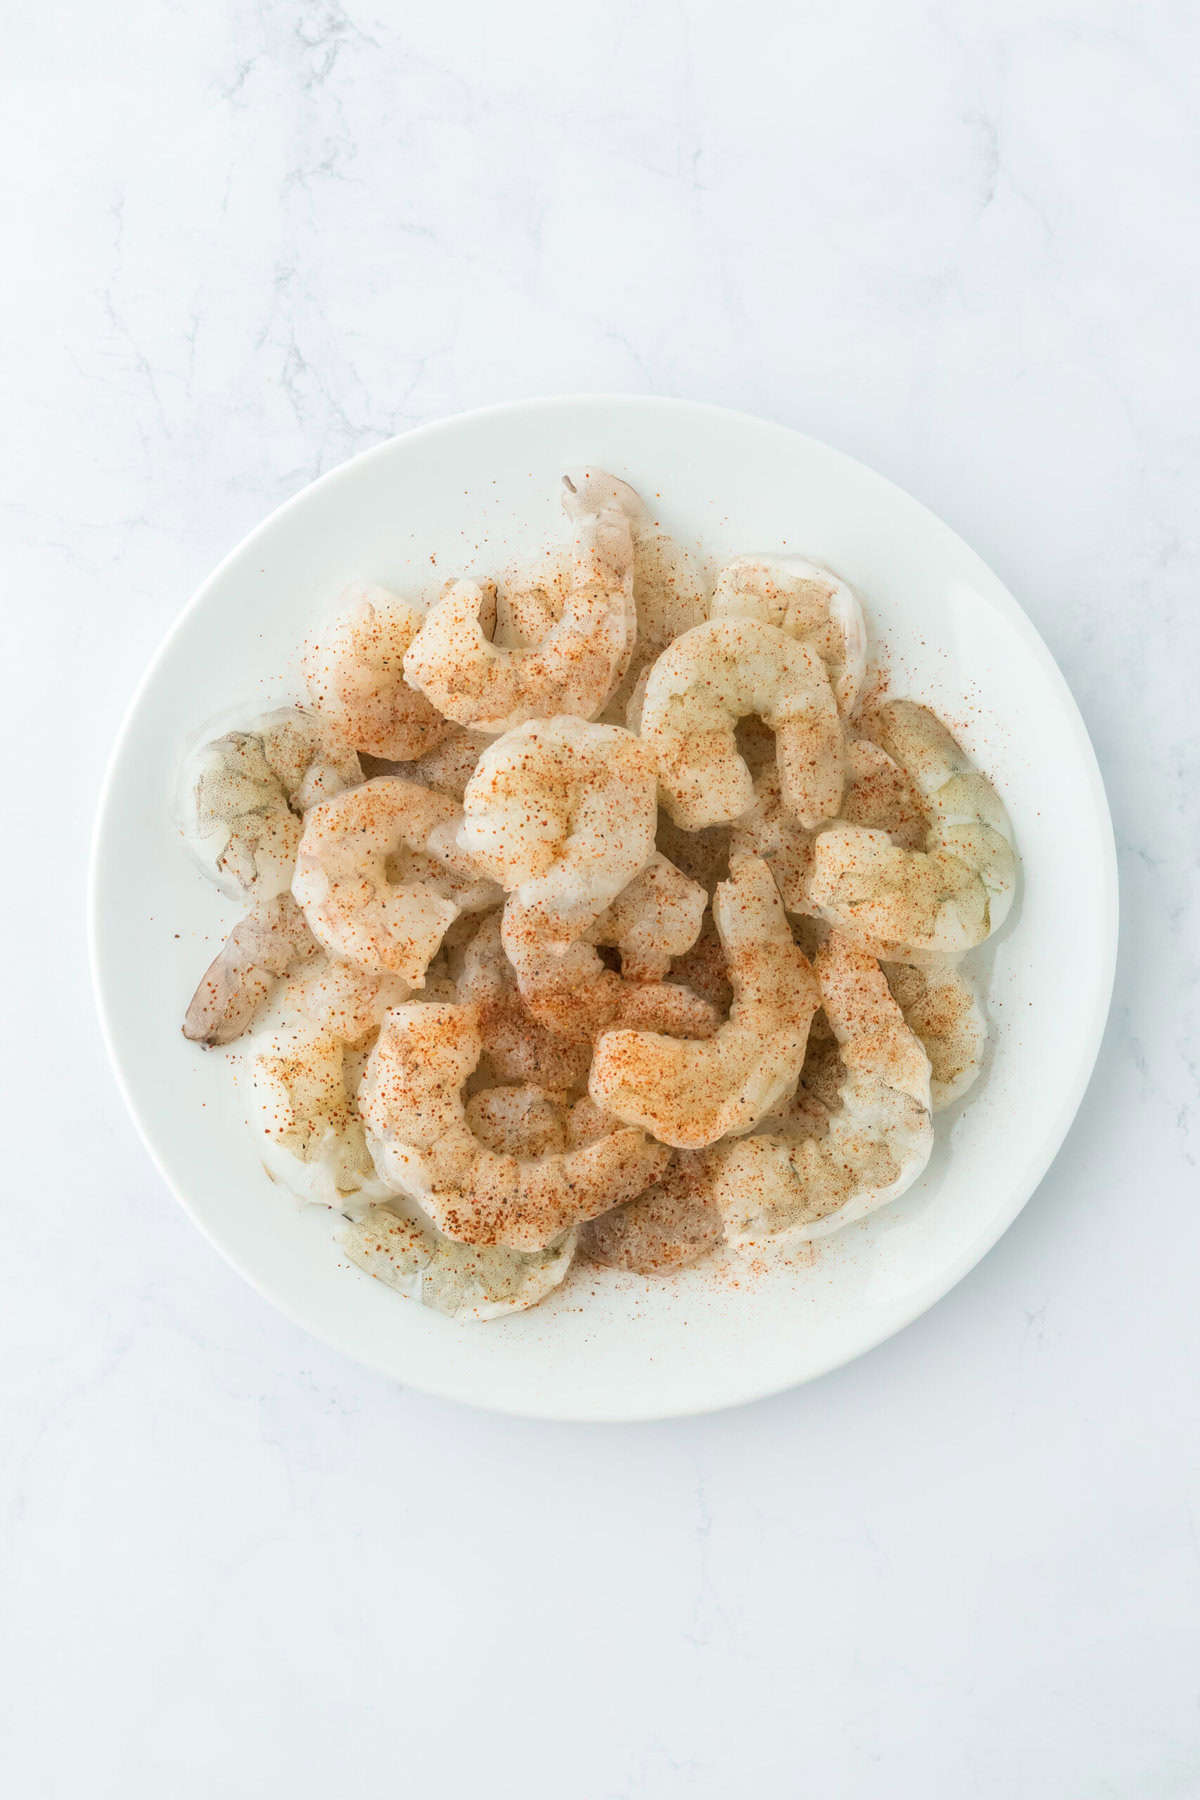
(247, 240)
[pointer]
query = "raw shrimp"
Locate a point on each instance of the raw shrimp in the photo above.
(878, 793)
(561, 814)
(938, 901)
(379, 875)
(574, 994)
(517, 1046)
(657, 917)
(411, 1103)
(463, 1281)
(243, 795)
(270, 943)
(719, 673)
(672, 1224)
(940, 1004)
(354, 668)
(808, 603)
(578, 663)
(785, 1187)
(671, 586)
(691, 1094)
(304, 1072)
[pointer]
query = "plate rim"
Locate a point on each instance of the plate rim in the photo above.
(1107, 905)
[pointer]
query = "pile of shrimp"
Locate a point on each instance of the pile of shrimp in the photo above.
(596, 913)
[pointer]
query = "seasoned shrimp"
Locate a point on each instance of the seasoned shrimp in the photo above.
(878, 794)
(577, 664)
(786, 1187)
(940, 900)
(672, 1224)
(574, 994)
(561, 813)
(940, 1004)
(304, 1072)
(671, 585)
(354, 668)
(463, 1281)
(411, 1103)
(657, 917)
(272, 942)
(517, 1046)
(379, 875)
(808, 603)
(719, 673)
(691, 1094)
(243, 796)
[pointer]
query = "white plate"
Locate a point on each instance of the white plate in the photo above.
(472, 492)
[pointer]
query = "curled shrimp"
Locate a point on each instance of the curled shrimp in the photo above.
(517, 1046)
(698, 690)
(271, 942)
(304, 1073)
(807, 602)
(672, 1224)
(411, 1103)
(786, 1187)
(941, 1006)
(939, 900)
(243, 796)
(463, 1281)
(576, 995)
(656, 918)
(380, 877)
(561, 813)
(878, 794)
(576, 665)
(671, 586)
(691, 1094)
(354, 668)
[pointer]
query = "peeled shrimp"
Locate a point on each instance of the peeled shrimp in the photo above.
(878, 793)
(411, 1104)
(941, 1006)
(691, 1094)
(270, 943)
(244, 793)
(561, 813)
(574, 994)
(808, 603)
(940, 900)
(304, 1073)
(657, 917)
(785, 1187)
(577, 664)
(719, 673)
(517, 1046)
(354, 667)
(380, 877)
(673, 1223)
(463, 1281)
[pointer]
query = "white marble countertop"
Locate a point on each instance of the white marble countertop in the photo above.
(247, 240)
